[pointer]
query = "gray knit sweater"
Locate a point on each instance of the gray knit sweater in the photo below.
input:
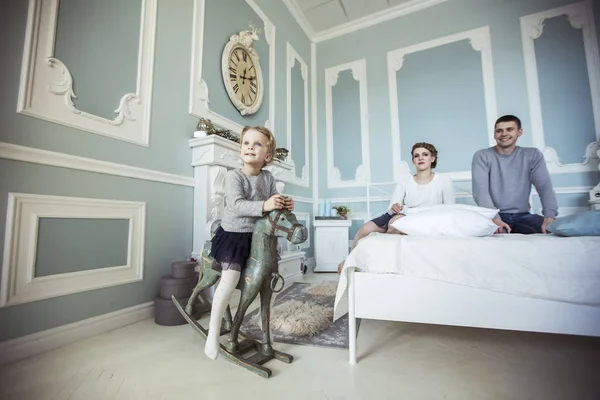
(504, 181)
(244, 198)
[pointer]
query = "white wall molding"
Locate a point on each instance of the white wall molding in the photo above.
(301, 199)
(480, 42)
(580, 16)
(19, 283)
(314, 127)
(291, 57)
(46, 85)
(199, 93)
(362, 174)
(44, 157)
(405, 8)
(40, 342)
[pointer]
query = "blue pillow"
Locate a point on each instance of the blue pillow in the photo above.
(586, 223)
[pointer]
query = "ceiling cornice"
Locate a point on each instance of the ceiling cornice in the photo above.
(361, 23)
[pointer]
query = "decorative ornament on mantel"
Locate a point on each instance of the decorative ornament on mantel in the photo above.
(281, 154)
(205, 128)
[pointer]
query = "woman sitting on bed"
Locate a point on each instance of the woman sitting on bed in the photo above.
(425, 188)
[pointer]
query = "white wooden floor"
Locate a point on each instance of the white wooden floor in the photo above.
(396, 361)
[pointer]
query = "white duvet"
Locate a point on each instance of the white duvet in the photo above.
(541, 266)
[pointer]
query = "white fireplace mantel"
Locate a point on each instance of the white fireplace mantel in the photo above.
(212, 156)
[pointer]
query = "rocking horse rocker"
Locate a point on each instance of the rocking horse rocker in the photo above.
(260, 276)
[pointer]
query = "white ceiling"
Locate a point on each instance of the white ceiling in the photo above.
(323, 19)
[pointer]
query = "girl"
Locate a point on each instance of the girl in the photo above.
(250, 192)
(422, 189)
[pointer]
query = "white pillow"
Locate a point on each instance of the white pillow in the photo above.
(450, 221)
(486, 212)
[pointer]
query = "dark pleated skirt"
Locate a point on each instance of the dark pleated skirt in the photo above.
(231, 248)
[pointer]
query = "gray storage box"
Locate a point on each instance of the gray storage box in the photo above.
(183, 269)
(166, 314)
(178, 287)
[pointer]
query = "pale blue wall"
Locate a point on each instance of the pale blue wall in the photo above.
(168, 238)
(564, 89)
(345, 119)
(171, 125)
(298, 118)
(80, 244)
(223, 19)
(288, 30)
(227, 17)
(446, 109)
(168, 235)
(440, 90)
(83, 22)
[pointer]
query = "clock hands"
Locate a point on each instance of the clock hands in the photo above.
(244, 77)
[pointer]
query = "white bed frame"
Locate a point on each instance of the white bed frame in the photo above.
(393, 297)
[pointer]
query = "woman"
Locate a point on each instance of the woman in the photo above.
(424, 188)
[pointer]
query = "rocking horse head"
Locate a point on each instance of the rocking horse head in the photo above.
(283, 223)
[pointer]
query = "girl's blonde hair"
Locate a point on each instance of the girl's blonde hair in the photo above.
(271, 145)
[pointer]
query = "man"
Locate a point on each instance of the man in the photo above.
(502, 179)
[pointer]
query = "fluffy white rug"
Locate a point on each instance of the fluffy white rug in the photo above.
(296, 317)
(322, 289)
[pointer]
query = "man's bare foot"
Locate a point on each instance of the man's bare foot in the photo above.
(340, 266)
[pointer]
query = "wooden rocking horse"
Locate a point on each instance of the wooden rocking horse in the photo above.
(261, 275)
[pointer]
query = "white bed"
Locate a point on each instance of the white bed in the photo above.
(538, 283)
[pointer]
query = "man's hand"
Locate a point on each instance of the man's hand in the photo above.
(396, 208)
(547, 221)
(275, 202)
(289, 203)
(501, 225)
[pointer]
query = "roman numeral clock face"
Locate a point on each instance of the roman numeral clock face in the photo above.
(243, 80)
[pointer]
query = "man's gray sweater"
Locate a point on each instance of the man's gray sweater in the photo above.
(504, 181)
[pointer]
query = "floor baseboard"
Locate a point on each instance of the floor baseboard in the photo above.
(50, 339)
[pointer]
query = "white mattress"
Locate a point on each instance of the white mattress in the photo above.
(542, 266)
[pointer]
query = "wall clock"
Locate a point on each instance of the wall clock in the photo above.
(241, 71)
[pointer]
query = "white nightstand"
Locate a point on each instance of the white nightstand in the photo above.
(331, 243)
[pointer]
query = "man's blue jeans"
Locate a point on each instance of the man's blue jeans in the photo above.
(524, 223)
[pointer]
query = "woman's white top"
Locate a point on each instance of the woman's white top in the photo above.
(410, 194)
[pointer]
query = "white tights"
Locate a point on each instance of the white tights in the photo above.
(228, 282)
